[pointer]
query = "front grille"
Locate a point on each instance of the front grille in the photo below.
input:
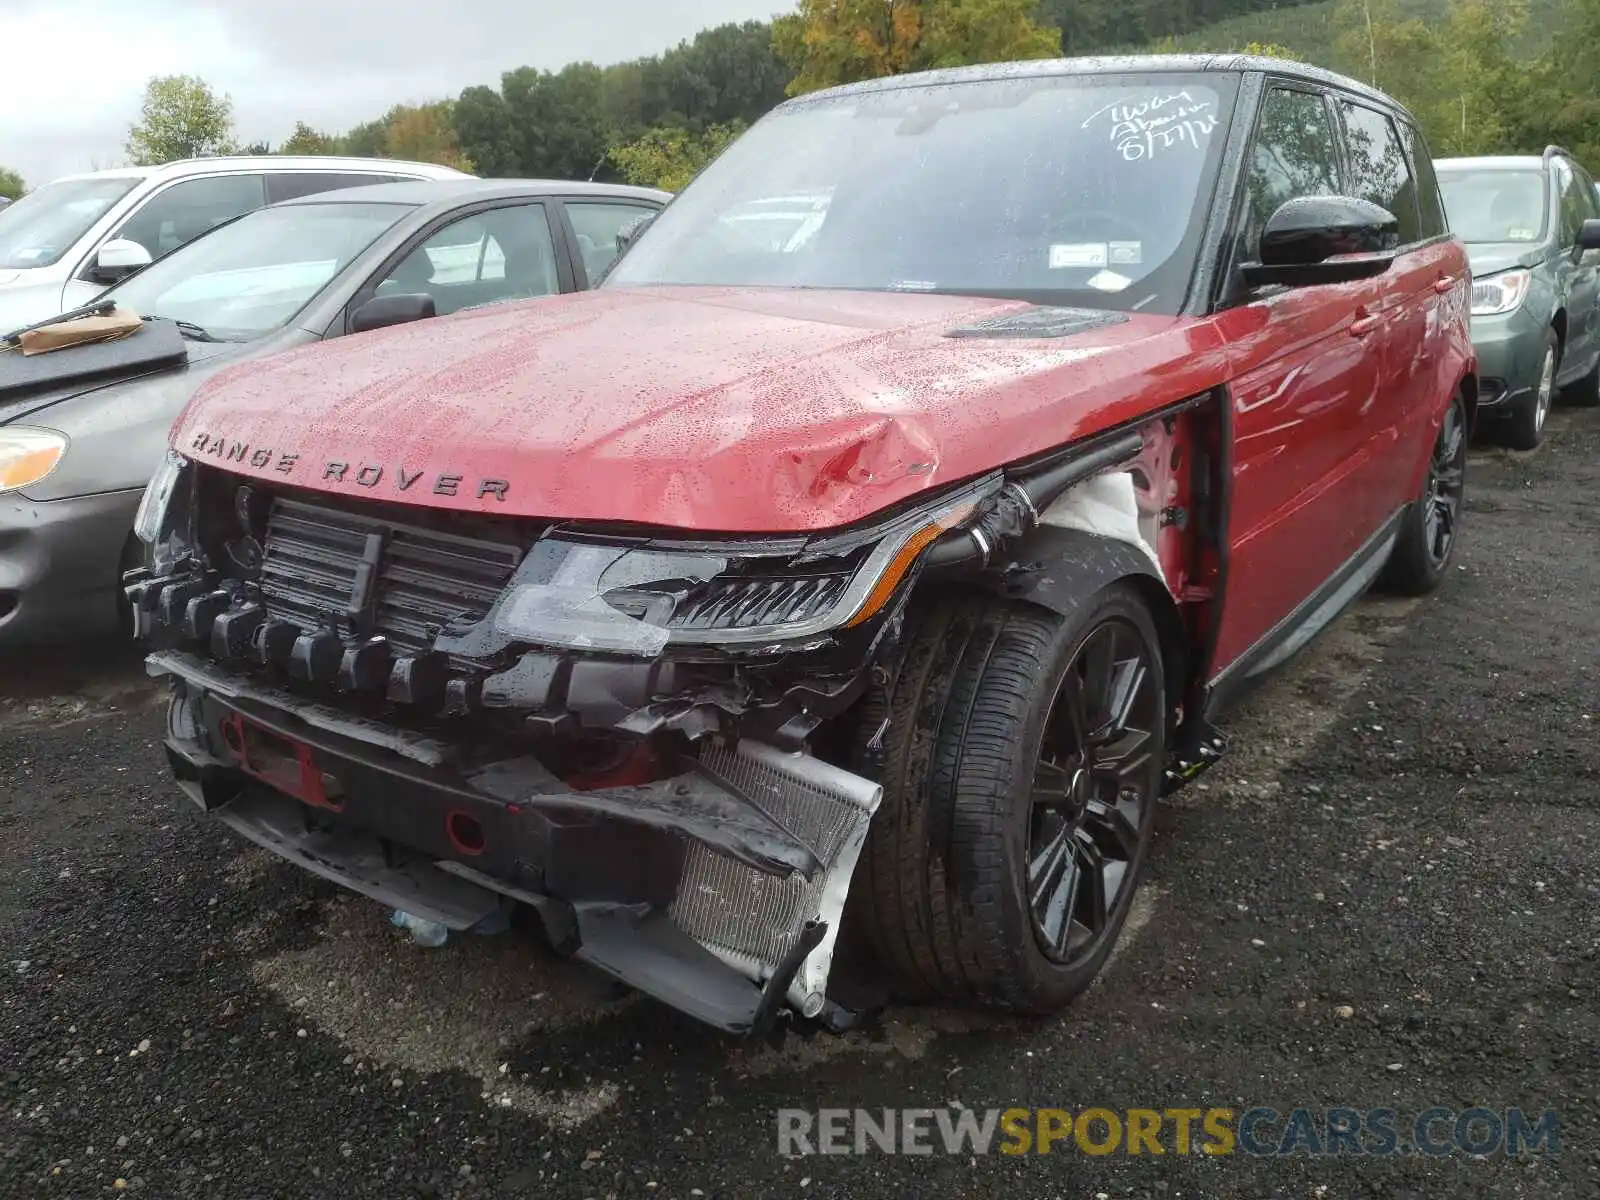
(425, 579)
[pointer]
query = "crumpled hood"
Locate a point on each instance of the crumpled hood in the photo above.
(699, 408)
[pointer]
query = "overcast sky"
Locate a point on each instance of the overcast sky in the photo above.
(72, 71)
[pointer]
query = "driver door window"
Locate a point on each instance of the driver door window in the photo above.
(1296, 154)
(185, 210)
(502, 254)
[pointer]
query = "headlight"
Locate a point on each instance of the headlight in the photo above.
(28, 455)
(1500, 293)
(157, 495)
(636, 597)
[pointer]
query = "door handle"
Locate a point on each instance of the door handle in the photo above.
(1444, 284)
(1364, 323)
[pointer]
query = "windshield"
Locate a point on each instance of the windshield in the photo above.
(255, 274)
(1495, 205)
(1086, 190)
(38, 229)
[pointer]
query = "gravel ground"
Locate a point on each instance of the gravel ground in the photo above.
(1386, 897)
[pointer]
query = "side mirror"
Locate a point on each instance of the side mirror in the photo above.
(119, 258)
(399, 309)
(1589, 235)
(629, 233)
(1324, 239)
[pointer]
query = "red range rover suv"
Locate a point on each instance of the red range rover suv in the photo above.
(861, 563)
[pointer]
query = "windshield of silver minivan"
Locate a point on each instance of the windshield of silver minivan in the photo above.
(1081, 189)
(1495, 204)
(38, 229)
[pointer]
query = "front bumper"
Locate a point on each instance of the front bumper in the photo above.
(718, 890)
(1510, 349)
(60, 564)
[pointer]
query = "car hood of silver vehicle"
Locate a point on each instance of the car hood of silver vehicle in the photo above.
(117, 424)
(1490, 258)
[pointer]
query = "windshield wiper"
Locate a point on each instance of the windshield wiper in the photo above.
(191, 331)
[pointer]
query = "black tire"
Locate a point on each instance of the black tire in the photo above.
(1585, 392)
(1525, 429)
(1427, 539)
(944, 890)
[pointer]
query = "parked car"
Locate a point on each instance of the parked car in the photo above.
(878, 577)
(303, 271)
(65, 243)
(1535, 282)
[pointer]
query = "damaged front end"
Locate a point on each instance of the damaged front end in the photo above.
(653, 741)
(635, 735)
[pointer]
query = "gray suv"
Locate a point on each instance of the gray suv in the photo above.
(1536, 282)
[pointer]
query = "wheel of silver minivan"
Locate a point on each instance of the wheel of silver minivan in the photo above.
(1527, 422)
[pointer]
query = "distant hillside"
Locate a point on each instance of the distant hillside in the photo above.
(1309, 30)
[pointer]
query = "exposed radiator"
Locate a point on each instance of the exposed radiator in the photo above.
(425, 578)
(752, 920)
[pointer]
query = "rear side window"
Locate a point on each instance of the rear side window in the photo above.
(1430, 205)
(1295, 154)
(291, 185)
(597, 227)
(1378, 170)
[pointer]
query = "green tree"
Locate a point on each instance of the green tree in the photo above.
(371, 139)
(424, 133)
(726, 73)
(670, 157)
(306, 140)
(829, 42)
(1475, 101)
(1564, 93)
(559, 120)
(487, 133)
(181, 118)
(11, 185)
(1270, 50)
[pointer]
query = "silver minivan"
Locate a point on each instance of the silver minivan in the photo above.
(66, 242)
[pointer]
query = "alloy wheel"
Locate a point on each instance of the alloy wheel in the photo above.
(1446, 484)
(1547, 389)
(1094, 790)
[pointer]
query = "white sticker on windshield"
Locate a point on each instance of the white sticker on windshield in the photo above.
(1109, 281)
(1077, 254)
(1127, 253)
(1520, 235)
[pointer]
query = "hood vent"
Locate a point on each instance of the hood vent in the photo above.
(1049, 322)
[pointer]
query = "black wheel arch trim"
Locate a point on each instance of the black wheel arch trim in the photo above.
(1063, 570)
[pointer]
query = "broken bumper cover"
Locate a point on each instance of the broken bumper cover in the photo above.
(718, 891)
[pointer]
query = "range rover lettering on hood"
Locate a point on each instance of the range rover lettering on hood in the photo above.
(366, 475)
